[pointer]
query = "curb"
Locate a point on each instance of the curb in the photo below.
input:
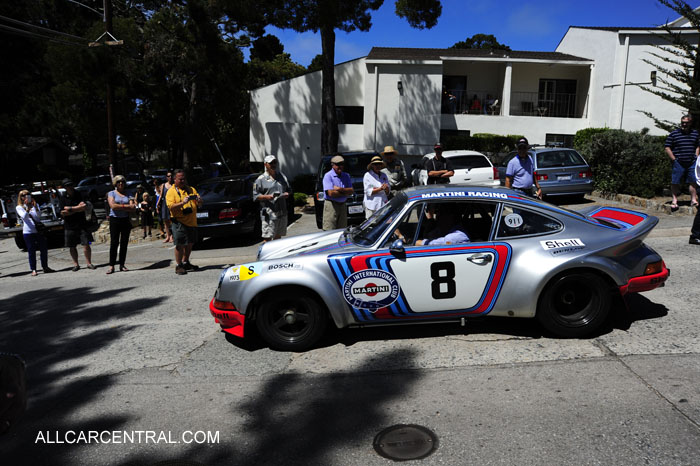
(648, 204)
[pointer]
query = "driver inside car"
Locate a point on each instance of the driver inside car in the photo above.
(447, 229)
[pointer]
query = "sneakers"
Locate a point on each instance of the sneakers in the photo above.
(91, 266)
(695, 241)
(48, 270)
(189, 266)
(75, 268)
(180, 270)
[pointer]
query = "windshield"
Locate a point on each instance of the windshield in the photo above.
(222, 190)
(467, 162)
(373, 228)
(559, 158)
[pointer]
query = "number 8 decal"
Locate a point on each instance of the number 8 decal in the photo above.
(443, 273)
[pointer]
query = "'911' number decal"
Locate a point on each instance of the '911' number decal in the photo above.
(443, 285)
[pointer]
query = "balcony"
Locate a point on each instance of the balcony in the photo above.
(555, 105)
(471, 102)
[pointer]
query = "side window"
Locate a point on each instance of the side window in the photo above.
(408, 226)
(521, 222)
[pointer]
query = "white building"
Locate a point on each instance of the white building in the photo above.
(394, 96)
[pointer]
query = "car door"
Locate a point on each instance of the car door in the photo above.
(423, 282)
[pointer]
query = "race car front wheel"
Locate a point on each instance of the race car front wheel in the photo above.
(290, 321)
(574, 305)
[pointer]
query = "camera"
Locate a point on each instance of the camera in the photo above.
(28, 198)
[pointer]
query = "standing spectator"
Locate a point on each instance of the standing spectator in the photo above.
(376, 185)
(30, 214)
(337, 186)
(395, 169)
(120, 206)
(183, 202)
(519, 173)
(146, 214)
(475, 106)
(439, 168)
(682, 148)
(163, 209)
(271, 189)
(158, 187)
(75, 226)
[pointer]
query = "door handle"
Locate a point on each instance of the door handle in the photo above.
(480, 259)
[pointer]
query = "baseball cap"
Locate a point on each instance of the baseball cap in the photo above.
(523, 142)
(270, 158)
(67, 182)
(438, 145)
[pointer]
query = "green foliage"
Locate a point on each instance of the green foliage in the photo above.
(266, 48)
(481, 41)
(627, 162)
(300, 199)
(583, 136)
(316, 64)
(279, 68)
(304, 183)
(490, 144)
(420, 14)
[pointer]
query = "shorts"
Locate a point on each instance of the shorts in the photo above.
(680, 174)
(335, 215)
(274, 227)
(75, 237)
(184, 235)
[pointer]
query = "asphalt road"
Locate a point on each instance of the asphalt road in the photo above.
(138, 354)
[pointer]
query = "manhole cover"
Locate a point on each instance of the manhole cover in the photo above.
(405, 442)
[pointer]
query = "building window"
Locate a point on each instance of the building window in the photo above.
(557, 98)
(559, 140)
(350, 115)
(454, 91)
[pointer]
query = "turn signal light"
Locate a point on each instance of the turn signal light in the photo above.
(587, 174)
(541, 177)
(495, 174)
(224, 305)
(653, 268)
(229, 213)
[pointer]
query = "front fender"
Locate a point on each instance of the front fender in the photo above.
(312, 277)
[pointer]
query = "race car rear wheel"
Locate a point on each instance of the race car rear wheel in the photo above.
(574, 305)
(290, 320)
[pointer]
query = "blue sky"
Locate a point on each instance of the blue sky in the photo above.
(522, 25)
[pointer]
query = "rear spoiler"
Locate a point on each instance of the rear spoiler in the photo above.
(633, 226)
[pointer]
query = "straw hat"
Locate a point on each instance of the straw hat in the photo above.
(389, 150)
(376, 160)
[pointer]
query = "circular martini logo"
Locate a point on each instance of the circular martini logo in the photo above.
(371, 289)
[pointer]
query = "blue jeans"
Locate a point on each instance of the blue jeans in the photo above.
(34, 241)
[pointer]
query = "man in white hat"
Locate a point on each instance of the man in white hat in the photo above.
(395, 169)
(271, 189)
(337, 186)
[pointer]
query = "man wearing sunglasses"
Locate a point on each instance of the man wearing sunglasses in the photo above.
(337, 186)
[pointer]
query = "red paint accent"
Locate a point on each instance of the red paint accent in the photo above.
(645, 282)
(627, 217)
(232, 322)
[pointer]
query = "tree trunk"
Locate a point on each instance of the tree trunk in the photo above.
(329, 120)
(189, 128)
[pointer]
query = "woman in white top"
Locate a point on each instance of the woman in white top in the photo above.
(376, 185)
(28, 211)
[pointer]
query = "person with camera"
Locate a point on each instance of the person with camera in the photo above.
(75, 225)
(183, 201)
(271, 189)
(30, 214)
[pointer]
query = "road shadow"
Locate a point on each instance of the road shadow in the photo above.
(164, 264)
(245, 240)
(56, 330)
(297, 419)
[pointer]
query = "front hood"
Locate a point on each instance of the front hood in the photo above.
(304, 244)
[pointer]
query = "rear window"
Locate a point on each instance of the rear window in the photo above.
(355, 165)
(223, 189)
(559, 158)
(462, 162)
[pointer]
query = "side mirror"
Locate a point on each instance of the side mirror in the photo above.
(397, 249)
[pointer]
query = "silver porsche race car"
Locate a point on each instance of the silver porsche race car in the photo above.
(444, 253)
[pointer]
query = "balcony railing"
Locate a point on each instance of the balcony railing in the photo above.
(543, 104)
(472, 102)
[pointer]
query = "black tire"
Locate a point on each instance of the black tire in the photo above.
(574, 305)
(290, 321)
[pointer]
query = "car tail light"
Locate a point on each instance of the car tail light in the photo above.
(320, 196)
(541, 177)
(224, 305)
(495, 173)
(5, 222)
(654, 267)
(229, 213)
(587, 174)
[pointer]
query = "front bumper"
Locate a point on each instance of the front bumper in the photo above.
(231, 321)
(646, 282)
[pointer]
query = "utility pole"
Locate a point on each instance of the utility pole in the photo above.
(111, 143)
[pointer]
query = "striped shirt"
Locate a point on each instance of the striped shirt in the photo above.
(683, 145)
